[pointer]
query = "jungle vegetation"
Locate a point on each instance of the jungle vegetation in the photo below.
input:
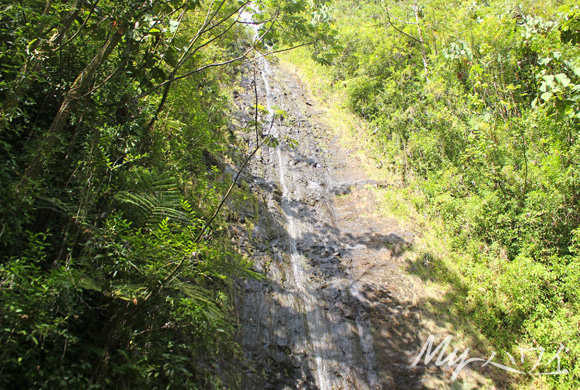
(116, 268)
(475, 107)
(116, 271)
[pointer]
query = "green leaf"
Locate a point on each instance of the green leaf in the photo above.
(158, 74)
(543, 87)
(549, 80)
(546, 96)
(170, 57)
(563, 79)
(173, 24)
(272, 142)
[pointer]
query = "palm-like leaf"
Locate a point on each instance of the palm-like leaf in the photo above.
(151, 197)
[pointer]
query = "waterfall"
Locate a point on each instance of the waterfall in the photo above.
(317, 329)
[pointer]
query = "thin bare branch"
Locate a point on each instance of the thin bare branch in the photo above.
(216, 64)
(188, 55)
(395, 27)
(213, 39)
(197, 35)
(402, 21)
(240, 8)
(287, 49)
(208, 223)
(80, 28)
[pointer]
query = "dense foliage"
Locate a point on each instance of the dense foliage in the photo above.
(113, 140)
(478, 105)
(114, 133)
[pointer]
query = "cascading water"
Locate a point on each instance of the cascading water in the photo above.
(318, 333)
(307, 325)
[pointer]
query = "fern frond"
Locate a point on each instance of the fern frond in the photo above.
(57, 205)
(199, 294)
(151, 197)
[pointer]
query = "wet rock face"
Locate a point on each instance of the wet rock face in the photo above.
(305, 326)
(335, 309)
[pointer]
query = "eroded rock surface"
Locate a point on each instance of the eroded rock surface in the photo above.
(335, 310)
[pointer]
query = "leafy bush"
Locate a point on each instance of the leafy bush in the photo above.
(478, 105)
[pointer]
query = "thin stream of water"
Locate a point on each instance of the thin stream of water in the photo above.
(317, 329)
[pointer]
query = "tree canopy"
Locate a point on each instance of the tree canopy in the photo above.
(115, 267)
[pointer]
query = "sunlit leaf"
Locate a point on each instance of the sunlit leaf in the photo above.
(563, 79)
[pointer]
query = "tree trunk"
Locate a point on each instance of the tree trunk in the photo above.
(46, 144)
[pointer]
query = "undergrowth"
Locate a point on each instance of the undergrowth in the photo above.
(512, 292)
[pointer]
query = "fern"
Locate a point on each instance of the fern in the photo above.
(152, 197)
